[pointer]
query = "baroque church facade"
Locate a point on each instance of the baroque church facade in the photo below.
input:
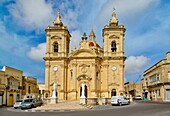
(100, 69)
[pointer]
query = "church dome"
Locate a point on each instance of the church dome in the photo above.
(92, 44)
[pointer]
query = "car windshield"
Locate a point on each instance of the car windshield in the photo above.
(19, 101)
(114, 97)
(28, 100)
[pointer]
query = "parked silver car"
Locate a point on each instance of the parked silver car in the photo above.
(30, 103)
(119, 100)
(18, 103)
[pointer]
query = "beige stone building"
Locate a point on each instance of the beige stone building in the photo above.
(133, 89)
(2, 88)
(156, 82)
(41, 88)
(129, 89)
(29, 87)
(138, 89)
(101, 69)
(12, 80)
(14, 86)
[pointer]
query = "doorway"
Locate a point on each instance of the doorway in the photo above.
(11, 100)
(168, 94)
(113, 92)
(85, 91)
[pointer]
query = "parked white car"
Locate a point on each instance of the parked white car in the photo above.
(17, 104)
(119, 100)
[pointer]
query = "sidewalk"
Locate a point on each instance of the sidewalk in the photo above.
(153, 101)
(62, 105)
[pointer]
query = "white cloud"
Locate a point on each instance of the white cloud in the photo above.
(36, 15)
(70, 11)
(31, 14)
(135, 64)
(127, 9)
(75, 39)
(37, 53)
(12, 43)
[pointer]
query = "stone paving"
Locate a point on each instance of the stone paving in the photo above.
(62, 105)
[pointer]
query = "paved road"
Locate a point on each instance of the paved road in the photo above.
(138, 109)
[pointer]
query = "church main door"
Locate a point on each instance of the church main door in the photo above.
(113, 92)
(85, 91)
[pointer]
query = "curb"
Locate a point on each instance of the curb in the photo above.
(89, 108)
(49, 110)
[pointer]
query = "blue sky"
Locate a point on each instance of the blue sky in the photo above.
(22, 35)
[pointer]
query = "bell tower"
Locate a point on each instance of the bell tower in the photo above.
(113, 58)
(113, 35)
(58, 38)
(57, 50)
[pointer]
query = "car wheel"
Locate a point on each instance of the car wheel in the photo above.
(32, 106)
(15, 107)
(120, 104)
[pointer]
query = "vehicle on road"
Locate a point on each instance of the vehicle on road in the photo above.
(119, 100)
(138, 98)
(30, 103)
(18, 103)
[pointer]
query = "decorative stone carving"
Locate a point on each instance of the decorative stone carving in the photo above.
(84, 70)
(114, 84)
(84, 65)
(84, 77)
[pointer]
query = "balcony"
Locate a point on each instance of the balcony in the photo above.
(155, 82)
(2, 86)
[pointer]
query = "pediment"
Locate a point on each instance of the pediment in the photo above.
(55, 37)
(113, 36)
(114, 84)
(84, 53)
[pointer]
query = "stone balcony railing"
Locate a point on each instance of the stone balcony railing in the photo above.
(2, 86)
(155, 82)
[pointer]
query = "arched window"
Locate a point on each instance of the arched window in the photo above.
(71, 75)
(29, 89)
(56, 47)
(113, 46)
(97, 75)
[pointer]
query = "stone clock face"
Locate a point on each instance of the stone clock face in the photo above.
(114, 68)
(55, 68)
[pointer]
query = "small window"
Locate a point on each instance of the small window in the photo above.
(29, 89)
(43, 91)
(71, 75)
(23, 88)
(97, 75)
(168, 76)
(56, 47)
(113, 46)
(39, 91)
